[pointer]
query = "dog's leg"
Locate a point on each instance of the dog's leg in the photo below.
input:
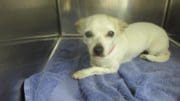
(93, 71)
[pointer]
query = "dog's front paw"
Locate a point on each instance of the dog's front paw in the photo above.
(80, 75)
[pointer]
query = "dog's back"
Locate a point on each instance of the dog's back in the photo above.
(147, 36)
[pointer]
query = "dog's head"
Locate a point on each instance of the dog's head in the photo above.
(100, 33)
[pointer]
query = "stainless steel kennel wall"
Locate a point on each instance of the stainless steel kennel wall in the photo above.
(28, 33)
(130, 10)
(29, 30)
(172, 23)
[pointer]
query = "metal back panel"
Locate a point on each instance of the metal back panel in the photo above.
(129, 10)
(27, 18)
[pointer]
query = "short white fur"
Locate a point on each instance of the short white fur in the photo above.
(128, 42)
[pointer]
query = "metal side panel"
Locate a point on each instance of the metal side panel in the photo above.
(129, 10)
(27, 18)
(19, 61)
(172, 24)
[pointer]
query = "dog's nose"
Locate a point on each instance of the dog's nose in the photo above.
(98, 50)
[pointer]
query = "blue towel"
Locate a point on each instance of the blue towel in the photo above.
(138, 80)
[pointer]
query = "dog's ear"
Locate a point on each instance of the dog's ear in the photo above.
(79, 24)
(120, 24)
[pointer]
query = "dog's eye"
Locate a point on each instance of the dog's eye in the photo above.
(88, 34)
(110, 34)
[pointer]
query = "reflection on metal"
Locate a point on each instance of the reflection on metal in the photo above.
(27, 18)
(109, 5)
(173, 19)
(167, 4)
(129, 10)
(18, 62)
(68, 15)
(54, 49)
(67, 6)
(23, 40)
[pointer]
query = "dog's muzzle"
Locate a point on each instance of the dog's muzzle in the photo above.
(98, 50)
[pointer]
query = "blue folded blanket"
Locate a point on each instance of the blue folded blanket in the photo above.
(138, 80)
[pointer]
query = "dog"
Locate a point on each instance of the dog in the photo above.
(111, 42)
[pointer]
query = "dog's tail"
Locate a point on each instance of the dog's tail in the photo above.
(163, 57)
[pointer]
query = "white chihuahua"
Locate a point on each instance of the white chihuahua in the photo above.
(111, 42)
